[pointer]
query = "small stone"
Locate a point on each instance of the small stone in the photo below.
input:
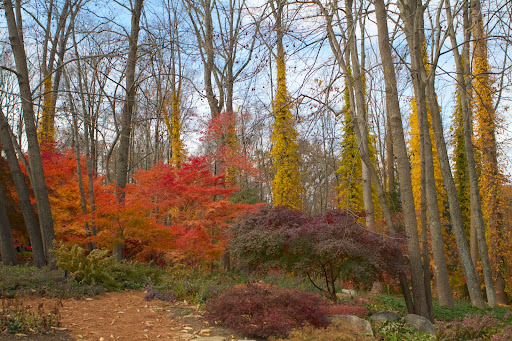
(357, 324)
(210, 338)
(420, 323)
(384, 316)
(186, 336)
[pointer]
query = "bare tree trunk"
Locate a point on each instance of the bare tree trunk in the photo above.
(424, 235)
(403, 166)
(476, 206)
(126, 121)
(360, 122)
(7, 248)
(465, 67)
(441, 271)
(22, 190)
(34, 155)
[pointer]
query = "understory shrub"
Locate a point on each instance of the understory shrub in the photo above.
(44, 282)
(398, 330)
(472, 327)
(15, 317)
(195, 285)
(99, 268)
(262, 310)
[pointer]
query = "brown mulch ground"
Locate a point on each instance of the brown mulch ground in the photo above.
(124, 316)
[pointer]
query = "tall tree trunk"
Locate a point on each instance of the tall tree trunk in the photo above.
(34, 155)
(490, 177)
(441, 271)
(126, 120)
(424, 235)
(22, 190)
(360, 123)
(403, 166)
(476, 207)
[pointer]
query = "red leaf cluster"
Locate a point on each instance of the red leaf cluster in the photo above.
(262, 310)
(176, 212)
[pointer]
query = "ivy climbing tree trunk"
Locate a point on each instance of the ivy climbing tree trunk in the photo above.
(491, 179)
(286, 186)
(412, 14)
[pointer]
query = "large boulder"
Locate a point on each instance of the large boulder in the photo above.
(384, 316)
(420, 323)
(354, 323)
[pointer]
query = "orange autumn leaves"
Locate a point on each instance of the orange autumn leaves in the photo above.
(175, 212)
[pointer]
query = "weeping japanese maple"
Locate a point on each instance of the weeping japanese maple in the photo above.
(182, 213)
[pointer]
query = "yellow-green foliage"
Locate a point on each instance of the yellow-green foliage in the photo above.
(350, 185)
(460, 164)
(350, 188)
(286, 186)
(173, 125)
(46, 132)
(93, 269)
(414, 148)
(491, 180)
(176, 141)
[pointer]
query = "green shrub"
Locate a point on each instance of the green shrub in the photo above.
(94, 268)
(262, 310)
(99, 268)
(194, 285)
(398, 330)
(17, 318)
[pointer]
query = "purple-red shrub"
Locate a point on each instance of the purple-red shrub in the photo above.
(262, 310)
(324, 246)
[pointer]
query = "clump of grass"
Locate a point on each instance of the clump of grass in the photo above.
(15, 317)
(331, 333)
(43, 282)
(194, 285)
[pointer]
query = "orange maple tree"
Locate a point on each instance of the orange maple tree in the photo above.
(173, 212)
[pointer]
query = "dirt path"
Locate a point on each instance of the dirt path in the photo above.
(126, 316)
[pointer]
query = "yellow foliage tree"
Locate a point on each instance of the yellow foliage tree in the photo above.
(173, 125)
(414, 149)
(46, 131)
(286, 186)
(491, 179)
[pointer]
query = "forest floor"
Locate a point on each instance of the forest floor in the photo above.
(123, 316)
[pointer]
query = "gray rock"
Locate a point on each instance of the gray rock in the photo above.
(420, 323)
(384, 316)
(354, 323)
(210, 338)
